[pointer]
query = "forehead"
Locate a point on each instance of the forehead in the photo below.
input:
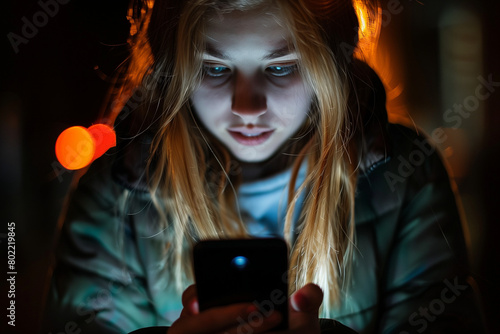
(258, 30)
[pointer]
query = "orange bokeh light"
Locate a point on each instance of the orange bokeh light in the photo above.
(77, 147)
(104, 138)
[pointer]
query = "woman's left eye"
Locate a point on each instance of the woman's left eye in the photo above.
(281, 71)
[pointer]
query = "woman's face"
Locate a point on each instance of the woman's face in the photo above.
(252, 97)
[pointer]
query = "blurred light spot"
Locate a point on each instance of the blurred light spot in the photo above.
(77, 147)
(370, 22)
(448, 152)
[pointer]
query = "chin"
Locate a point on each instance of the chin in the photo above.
(252, 155)
(251, 160)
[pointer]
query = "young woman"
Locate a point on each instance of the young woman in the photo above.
(252, 118)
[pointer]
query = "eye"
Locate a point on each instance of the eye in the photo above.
(215, 70)
(281, 71)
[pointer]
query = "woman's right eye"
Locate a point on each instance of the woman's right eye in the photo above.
(216, 70)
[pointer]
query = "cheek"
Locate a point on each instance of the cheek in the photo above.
(210, 105)
(291, 104)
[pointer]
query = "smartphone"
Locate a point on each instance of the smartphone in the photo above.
(243, 270)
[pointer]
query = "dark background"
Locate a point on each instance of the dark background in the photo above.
(60, 78)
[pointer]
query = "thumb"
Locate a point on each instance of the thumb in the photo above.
(190, 301)
(308, 299)
(304, 309)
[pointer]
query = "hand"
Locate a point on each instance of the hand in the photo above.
(303, 310)
(303, 315)
(226, 319)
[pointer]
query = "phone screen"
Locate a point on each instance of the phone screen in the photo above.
(243, 270)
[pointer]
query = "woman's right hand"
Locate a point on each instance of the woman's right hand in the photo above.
(226, 319)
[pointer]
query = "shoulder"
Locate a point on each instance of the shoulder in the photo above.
(406, 189)
(134, 136)
(410, 158)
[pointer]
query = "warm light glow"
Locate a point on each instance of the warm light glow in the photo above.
(362, 20)
(104, 138)
(380, 57)
(369, 18)
(77, 147)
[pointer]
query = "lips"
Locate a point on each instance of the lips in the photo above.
(250, 136)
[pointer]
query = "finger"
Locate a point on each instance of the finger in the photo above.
(304, 308)
(307, 299)
(190, 301)
(188, 294)
(191, 308)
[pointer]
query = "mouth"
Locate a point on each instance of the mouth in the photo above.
(250, 137)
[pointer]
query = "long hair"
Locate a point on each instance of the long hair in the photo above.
(190, 174)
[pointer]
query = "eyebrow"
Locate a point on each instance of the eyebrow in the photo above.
(283, 51)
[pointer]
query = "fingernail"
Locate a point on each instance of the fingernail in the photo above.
(195, 308)
(300, 302)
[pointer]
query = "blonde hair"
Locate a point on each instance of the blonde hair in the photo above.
(190, 180)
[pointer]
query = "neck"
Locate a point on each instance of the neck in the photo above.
(260, 170)
(278, 163)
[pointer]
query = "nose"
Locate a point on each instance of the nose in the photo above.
(249, 100)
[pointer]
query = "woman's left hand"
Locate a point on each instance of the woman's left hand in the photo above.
(303, 309)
